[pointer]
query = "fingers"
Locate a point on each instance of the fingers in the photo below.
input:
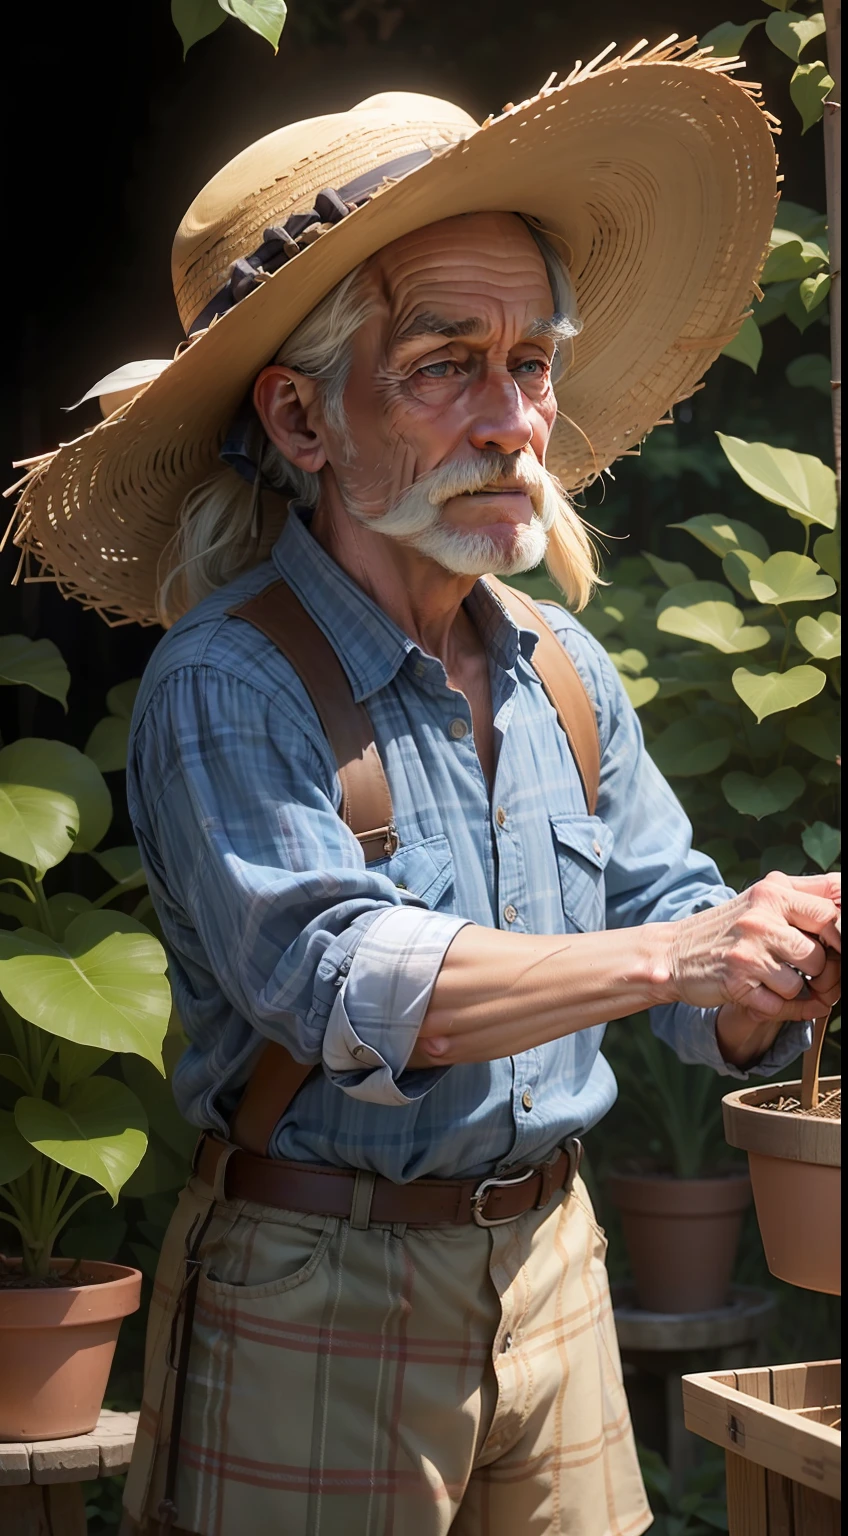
(813, 885)
(813, 914)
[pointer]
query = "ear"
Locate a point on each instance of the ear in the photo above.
(285, 401)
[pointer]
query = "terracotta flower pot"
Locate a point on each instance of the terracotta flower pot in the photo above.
(681, 1237)
(796, 1173)
(56, 1347)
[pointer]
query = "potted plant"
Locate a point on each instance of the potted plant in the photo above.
(81, 983)
(680, 1201)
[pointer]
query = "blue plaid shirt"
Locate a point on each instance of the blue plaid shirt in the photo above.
(275, 927)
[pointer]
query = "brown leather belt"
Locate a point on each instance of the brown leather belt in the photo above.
(365, 1198)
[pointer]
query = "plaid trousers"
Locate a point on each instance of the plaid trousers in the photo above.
(389, 1381)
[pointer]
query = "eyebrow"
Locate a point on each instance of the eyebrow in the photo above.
(556, 328)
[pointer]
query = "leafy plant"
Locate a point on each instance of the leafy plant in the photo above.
(82, 984)
(195, 19)
(669, 1114)
(698, 1510)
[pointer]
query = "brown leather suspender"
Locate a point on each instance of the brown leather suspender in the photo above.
(366, 805)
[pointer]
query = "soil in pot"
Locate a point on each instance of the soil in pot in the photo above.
(57, 1341)
(681, 1236)
(795, 1158)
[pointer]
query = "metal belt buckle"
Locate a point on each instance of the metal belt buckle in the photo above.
(481, 1193)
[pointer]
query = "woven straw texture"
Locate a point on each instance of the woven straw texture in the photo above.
(659, 173)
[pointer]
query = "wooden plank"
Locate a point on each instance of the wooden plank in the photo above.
(814, 1514)
(32, 1511)
(747, 1506)
(757, 1431)
(65, 1461)
(815, 1384)
(755, 1383)
(781, 1518)
(14, 1464)
(116, 1435)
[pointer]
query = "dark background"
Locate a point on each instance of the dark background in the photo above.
(111, 135)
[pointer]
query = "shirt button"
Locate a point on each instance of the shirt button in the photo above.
(500, 816)
(458, 729)
(510, 913)
(597, 847)
(527, 1099)
(360, 1050)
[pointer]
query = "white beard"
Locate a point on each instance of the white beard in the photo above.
(416, 517)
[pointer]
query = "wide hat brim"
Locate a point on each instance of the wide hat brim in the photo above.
(658, 172)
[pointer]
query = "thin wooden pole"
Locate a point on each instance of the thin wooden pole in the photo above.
(833, 173)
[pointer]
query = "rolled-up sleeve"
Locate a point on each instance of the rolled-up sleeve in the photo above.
(262, 890)
(654, 874)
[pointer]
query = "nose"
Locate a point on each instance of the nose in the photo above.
(501, 420)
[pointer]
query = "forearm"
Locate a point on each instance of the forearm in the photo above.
(498, 994)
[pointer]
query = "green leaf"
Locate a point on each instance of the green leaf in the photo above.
(75, 1062)
(640, 690)
(819, 734)
(814, 291)
(107, 744)
(738, 567)
(812, 371)
(195, 19)
(762, 797)
(826, 551)
(798, 219)
(157, 1095)
(672, 573)
(263, 16)
(767, 693)
(629, 661)
(800, 317)
(808, 87)
(786, 857)
(747, 345)
(622, 603)
(791, 257)
(790, 578)
(13, 1071)
(722, 534)
(63, 908)
(689, 747)
(100, 1131)
(16, 1155)
(123, 865)
(822, 637)
(103, 986)
(774, 302)
(797, 481)
(61, 771)
(15, 906)
(692, 592)
(121, 699)
(726, 39)
(791, 32)
(718, 624)
(161, 1170)
(823, 844)
(36, 662)
(37, 826)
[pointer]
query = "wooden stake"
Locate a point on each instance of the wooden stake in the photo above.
(833, 175)
(810, 1065)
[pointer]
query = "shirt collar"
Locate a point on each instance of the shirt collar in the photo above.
(369, 645)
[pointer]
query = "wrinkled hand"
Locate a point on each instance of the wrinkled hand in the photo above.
(770, 955)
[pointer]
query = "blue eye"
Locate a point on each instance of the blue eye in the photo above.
(437, 370)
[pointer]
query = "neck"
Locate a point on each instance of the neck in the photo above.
(420, 596)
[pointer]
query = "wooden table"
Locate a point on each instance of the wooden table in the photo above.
(667, 1346)
(41, 1480)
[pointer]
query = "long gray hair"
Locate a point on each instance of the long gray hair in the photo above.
(219, 531)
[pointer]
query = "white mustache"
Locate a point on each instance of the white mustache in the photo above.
(417, 510)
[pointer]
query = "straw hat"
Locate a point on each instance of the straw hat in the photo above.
(657, 169)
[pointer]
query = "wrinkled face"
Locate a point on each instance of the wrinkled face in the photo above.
(449, 400)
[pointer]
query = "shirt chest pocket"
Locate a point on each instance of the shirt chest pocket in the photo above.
(582, 845)
(424, 870)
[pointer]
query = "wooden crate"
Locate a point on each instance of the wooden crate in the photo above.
(780, 1427)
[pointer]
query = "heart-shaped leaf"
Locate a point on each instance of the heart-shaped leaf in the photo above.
(691, 593)
(720, 535)
(107, 744)
(791, 33)
(791, 258)
(16, 1155)
(104, 986)
(812, 371)
(762, 797)
(690, 747)
(766, 693)
(629, 661)
(822, 637)
(123, 865)
(818, 734)
(826, 551)
(120, 700)
(808, 88)
(37, 826)
(63, 908)
(100, 1131)
(797, 481)
(726, 39)
(790, 578)
(786, 857)
(195, 19)
(13, 1071)
(65, 774)
(747, 345)
(672, 573)
(640, 690)
(738, 567)
(36, 662)
(74, 1062)
(822, 843)
(814, 291)
(263, 16)
(718, 624)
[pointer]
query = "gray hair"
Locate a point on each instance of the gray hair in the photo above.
(219, 531)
